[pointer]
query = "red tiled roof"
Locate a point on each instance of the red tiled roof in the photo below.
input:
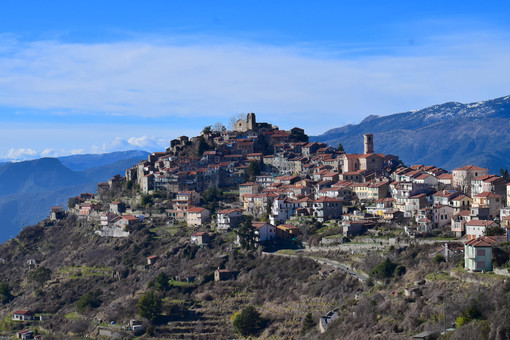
(258, 225)
(470, 168)
(487, 194)
(129, 218)
(418, 196)
(351, 155)
(479, 223)
(196, 210)
(366, 155)
(23, 312)
(485, 241)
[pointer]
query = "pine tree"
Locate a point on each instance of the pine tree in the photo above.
(340, 147)
(248, 322)
(246, 234)
(308, 323)
(149, 306)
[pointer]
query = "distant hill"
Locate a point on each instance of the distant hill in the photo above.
(28, 189)
(447, 135)
(36, 176)
(87, 161)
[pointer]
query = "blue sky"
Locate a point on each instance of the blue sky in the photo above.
(100, 76)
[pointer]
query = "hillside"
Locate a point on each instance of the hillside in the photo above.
(82, 278)
(448, 135)
(187, 277)
(28, 189)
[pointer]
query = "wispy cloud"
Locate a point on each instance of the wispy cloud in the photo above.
(21, 154)
(138, 143)
(138, 82)
(151, 79)
(146, 143)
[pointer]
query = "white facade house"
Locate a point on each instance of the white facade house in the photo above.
(264, 231)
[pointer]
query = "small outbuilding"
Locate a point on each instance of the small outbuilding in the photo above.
(23, 315)
(200, 238)
(224, 274)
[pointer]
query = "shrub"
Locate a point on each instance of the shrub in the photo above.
(89, 301)
(399, 271)
(5, 293)
(385, 269)
(40, 275)
(470, 313)
(439, 258)
(308, 323)
(160, 282)
(248, 322)
(149, 306)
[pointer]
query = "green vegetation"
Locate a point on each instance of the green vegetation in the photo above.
(207, 130)
(146, 201)
(211, 198)
(200, 147)
(386, 269)
(504, 173)
(308, 323)
(83, 271)
(253, 170)
(494, 231)
(470, 313)
(340, 147)
(248, 322)
(89, 301)
(174, 283)
(149, 306)
(439, 258)
(40, 275)
(246, 234)
(287, 251)
(72, 316)
(160, 282)
(441, 276)
(5, 293)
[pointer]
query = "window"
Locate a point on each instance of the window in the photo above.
(480, 252)
(480, 265)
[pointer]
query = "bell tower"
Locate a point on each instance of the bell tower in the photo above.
(368, 143)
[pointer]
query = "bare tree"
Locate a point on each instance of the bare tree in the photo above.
(233, 120)
(218, 127)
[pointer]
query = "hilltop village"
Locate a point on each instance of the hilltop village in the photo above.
(280, 176)
(229, 203)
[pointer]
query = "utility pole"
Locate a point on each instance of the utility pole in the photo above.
(444, 314)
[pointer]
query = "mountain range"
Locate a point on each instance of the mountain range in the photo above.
(28, 189)
(449, 135)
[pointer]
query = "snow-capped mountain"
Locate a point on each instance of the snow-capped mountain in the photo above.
(447, 135)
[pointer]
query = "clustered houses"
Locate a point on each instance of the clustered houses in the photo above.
(226, 166)
(290, 177)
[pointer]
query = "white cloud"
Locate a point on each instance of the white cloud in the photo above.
(147, 143)
(21, 154)
(74, 152)
(49, 153)
(161, 79)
